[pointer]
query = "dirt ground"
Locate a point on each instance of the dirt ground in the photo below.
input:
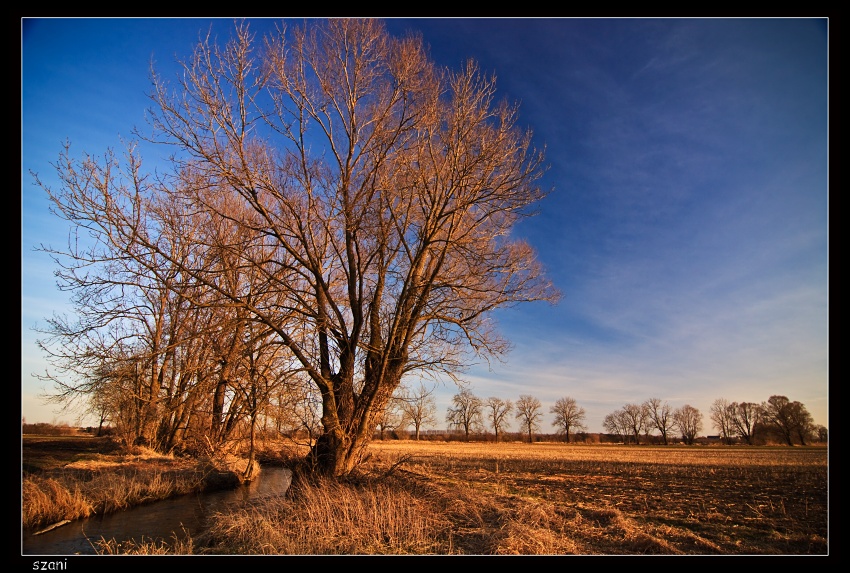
(691, 500)
(43, 453)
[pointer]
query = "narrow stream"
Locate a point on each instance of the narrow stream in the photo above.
(180, 516)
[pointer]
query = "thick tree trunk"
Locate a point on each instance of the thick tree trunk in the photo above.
(336, 454)
(348, 430)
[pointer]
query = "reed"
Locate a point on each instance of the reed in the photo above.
(323, 517)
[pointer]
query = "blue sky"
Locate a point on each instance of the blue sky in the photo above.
(686, 223)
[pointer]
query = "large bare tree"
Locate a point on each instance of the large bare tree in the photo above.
(568, 416)
(372, 195)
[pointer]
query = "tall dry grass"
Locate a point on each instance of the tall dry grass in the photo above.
(328, 517)
(70, 495)
(48, 500)
(113, 483)
(390, 511)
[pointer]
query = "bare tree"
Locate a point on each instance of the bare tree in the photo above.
(617, 424)
(568, 416)
(418, 406)
(746, 416)
(528, 412)
(804, 425)
(722, 415)
(145, 332)
(391, 419)
(466, 413)
(127, 320)
(660, 417)
(689, 422)
(308, 412)
(791, 420)
(777, 416)
(497, 413)
(262, 374)
(377, 193)
(636, 417)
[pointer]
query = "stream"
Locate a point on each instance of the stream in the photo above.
(165, 519)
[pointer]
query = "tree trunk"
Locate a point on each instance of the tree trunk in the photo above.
(249, 470)
(348, 430)
(336, 454)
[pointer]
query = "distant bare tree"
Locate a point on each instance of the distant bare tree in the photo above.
(497, 413)
(722, 415)
(466, 413)
(688, 420)
(418, 406)
(746, 417)
(804, 425)
(528, 412)
(308, 409)
(636, 417)
(391, 419)
(791, 420)
(568, 416)
(660, 417)
(617, 424)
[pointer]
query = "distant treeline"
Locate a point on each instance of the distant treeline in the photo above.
(45, 429)
(579, 438)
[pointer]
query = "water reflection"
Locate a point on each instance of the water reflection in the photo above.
(185, 515)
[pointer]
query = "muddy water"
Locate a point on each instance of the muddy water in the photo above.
(181, 516)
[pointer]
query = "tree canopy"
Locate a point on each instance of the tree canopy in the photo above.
(336, 205)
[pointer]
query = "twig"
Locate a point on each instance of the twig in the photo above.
(401, 460)
(54, 526)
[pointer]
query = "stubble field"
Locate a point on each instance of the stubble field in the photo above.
(613, 499)
(455, 498)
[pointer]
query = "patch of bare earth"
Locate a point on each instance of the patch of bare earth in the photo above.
(573, 501)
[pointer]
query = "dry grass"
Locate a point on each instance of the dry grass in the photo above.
(47, 500)
(77, 493)
(520, 499)
(96, 483)
(326, 517)
(177, 546)
(634, 500)
(524, 499)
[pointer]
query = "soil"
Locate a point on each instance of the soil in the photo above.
(44, 453)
